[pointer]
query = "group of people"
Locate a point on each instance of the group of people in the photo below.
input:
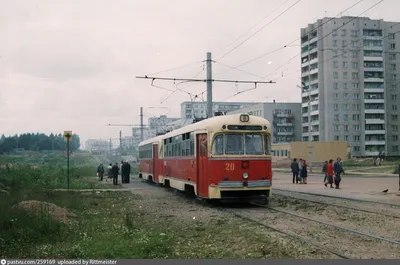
(299, 170)
(114, 170)
(332, 172)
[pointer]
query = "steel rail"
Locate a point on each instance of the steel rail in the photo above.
(328, 224)
(321, 247)
(338, 205)
(337, 197)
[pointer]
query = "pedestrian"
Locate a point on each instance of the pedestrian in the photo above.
(115, 172)
(100, 172)
(110, 174)
(128, 172)
(329, 174)
(304, 172)
(295, 170)
(338, 170)
(300, 175)
(324, 169)
(123, 172)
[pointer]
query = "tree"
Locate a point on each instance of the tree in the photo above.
(37, 142)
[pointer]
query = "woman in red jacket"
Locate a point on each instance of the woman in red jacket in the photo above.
(329, 173)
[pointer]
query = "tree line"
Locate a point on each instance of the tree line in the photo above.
(37, 142)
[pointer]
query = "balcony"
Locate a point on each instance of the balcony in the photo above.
(376, 132)
(314, 81)
(315, 122)
(373, 48)
(284, 115)
(374, 121)
(305, 73)
(313, 71)
(315, 133)
(311, 92)
(372, 37)
(313, 40)
(373, 58)
(313, 61)
(371, 153)
(284, 133)
(374, 101)
(374, 90)
(314, 112)
(374, 111)
(373, 79)
(375, 142)
(313, 50)
(304, 44)
(373, 69)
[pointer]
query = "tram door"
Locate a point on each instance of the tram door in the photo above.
(155, 162)
(202, 168)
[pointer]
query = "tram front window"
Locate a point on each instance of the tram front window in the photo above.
(234, 144)
(254, 144)
(238, 144)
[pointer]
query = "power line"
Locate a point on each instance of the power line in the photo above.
(287, 45)
(234, 48)
(344, 24)
(204, 80)
(175, 68)
(259, 22)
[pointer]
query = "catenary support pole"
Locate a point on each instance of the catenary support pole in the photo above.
(209, 86)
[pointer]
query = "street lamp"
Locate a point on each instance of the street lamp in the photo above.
(303, 89)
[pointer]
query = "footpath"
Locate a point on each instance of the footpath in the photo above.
(318, 172)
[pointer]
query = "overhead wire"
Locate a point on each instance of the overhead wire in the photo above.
(175, 68)
(259, 22)
(241, 43)
(288, 45)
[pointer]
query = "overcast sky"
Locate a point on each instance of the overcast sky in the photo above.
(71, 64)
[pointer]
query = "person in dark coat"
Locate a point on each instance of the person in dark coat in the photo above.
(295, 170)
(123, 172)
(338, 169)
(115, 172)
(324, 170)
(304, 172)
(128, 172)
(100, 172)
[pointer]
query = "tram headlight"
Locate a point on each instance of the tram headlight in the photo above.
(245, 175)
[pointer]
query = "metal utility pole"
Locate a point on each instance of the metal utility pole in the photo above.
(209, 86)
(110, 147)
(141, 124)
(120, 141)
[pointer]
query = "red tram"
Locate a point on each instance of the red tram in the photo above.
(221, 158)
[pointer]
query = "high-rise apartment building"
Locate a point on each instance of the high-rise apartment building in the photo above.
(350, 86)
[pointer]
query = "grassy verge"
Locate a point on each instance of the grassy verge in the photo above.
(113, 225)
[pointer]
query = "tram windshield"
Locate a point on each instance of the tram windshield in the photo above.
(241, 144)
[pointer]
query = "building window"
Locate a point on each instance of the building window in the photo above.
(392, 56)
(336, 128)
(356, 96)
(334, 43)
(356, 86)
(334, 32)
(345, 117)
(392, 66)
(395, 148)
(356, 117)
(345, 86)
(355, 75)
(391, 36)
(394, 117)
(336, 107)
(344, 32)
(346, 138)
(394, 128)
(392, 46)
(356, 138)
(393, 87)
(336, 138)
(356, 107)
(345, 76)
(354, 54)
(344, 43)
(354, 43)
(394, 138)
(344, 53)
(335, 64)
(346, 128)
(335, 85)
(345, 96)
(355, 65)
(354, 33)
(336, 117)
(356, 149)
(335, 54)
(336, 96)
(357, 128)
(394, 107)
(394, 97)
(335, 75)
(345, 64)
(393, 76)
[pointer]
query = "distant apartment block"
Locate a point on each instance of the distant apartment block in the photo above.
(191, 110)
(350, 76)
(97, 146)
(161, 124)
(285, 119)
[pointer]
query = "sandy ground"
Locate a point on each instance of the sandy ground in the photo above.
(351, 187)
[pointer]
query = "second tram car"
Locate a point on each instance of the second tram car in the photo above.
(221, 158)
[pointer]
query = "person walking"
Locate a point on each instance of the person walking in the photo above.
(300, 175)
(128, 172)
(115, 172)
(324, 169)
(109, 173)
(100, 172)
(304, 172)
(329, 174)
(123, 172)
(338, 170)
(295, 170)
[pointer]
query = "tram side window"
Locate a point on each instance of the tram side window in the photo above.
(218, 145)
(234, 144)
(191, 147)
(254, 144)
